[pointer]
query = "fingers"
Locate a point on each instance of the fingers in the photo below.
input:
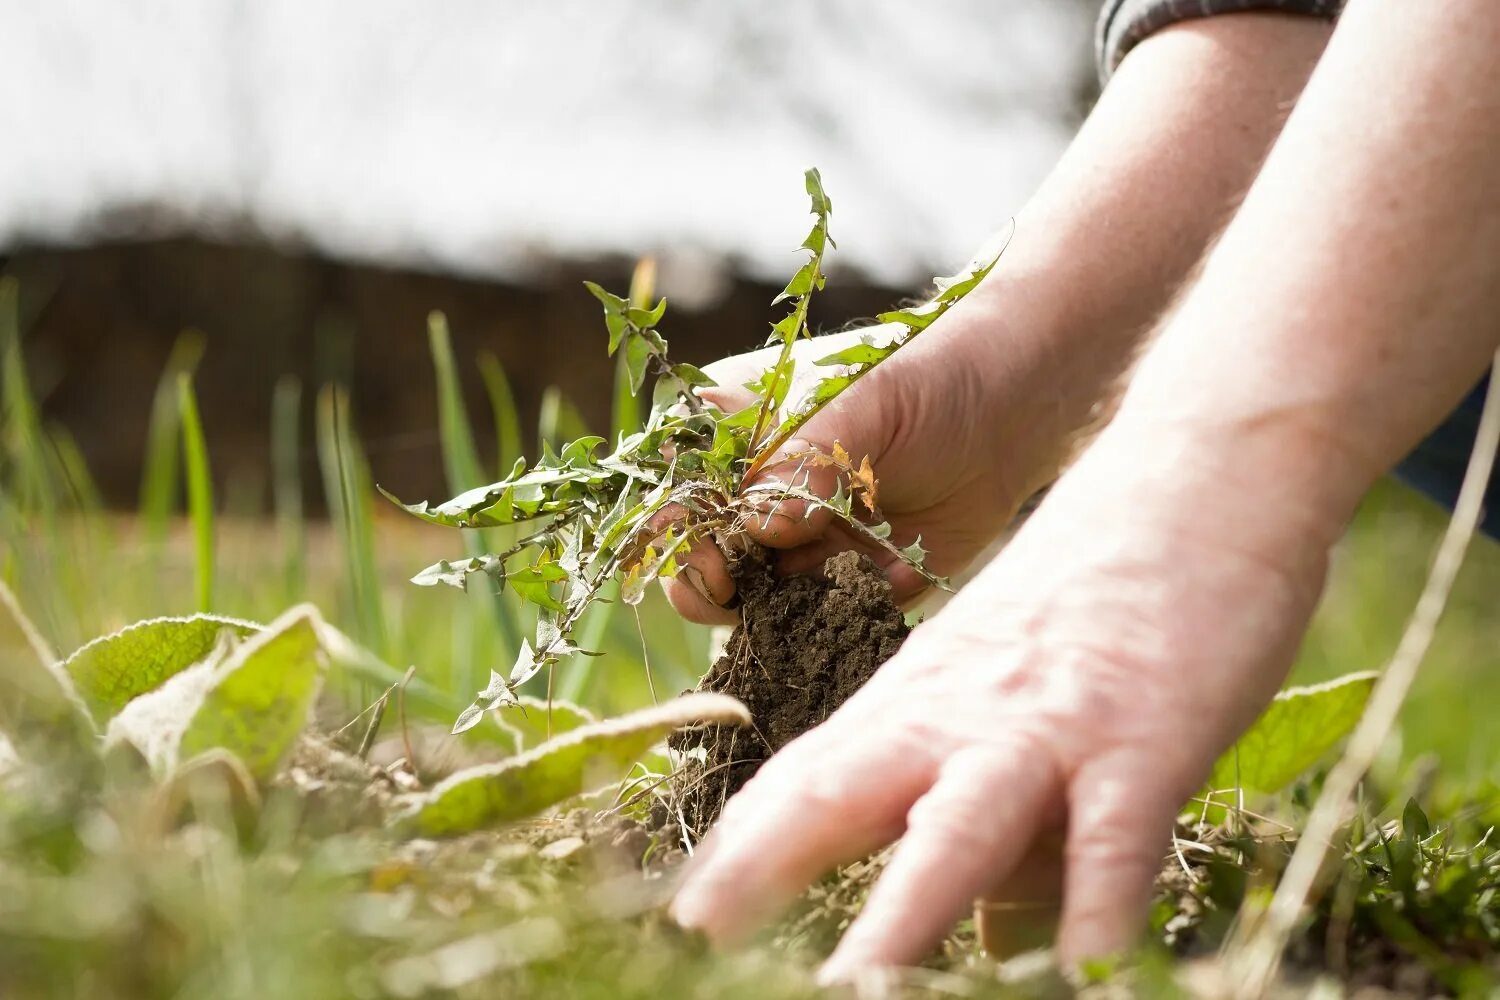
(807, 811)
(962, 837)
(1120, 813)
(703, 586)
(786, 523)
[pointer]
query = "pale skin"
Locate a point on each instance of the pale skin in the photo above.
(1079, 687)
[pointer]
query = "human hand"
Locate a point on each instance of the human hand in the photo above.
(931, 420)
(1079, 688)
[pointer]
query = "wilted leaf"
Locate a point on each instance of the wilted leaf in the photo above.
(1300, 726)
(560, 769)
(113, 669)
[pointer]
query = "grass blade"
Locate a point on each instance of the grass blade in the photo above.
(460, 457)
(559, 420)
(473, 651)
(286, 483)
(24, 457)
(200, 491)
(508, 445)
(159, 471)
(347, 487)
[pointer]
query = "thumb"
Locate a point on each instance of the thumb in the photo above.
(784, 522)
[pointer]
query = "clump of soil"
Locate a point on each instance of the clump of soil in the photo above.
(804, 645)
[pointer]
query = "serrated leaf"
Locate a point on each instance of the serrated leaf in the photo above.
(528, 663)
(860, 354)
(560, 769)
(455, 573)
(648, 318)
(801, 283)
(1300, 726)
(653, 563)
(637, 358)
(113, 669)
(693, 376)
(532, 583)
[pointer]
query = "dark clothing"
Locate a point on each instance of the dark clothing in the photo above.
(1124, 23)
(1437, 466)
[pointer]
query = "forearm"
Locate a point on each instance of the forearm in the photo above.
(1161, 163)
(1353, 300)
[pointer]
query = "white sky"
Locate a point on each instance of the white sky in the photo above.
(475, 134)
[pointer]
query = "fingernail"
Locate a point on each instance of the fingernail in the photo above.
(695, 580)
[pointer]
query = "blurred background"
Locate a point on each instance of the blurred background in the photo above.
(303, 182)
(224, 224)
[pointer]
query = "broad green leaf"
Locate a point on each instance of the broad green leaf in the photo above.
(1300, 726)
(261, 699)
(251, 698)
(582, 760)
(528, 719)
(115, 668)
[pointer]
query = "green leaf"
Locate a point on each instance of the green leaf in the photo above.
(814, 183)
(1414, 824)
(1300, 726)
(200, 491)
(532, 583)
(114, 669)
(586, 758)
(456, 573)
(261, 698)
(860, 354)
(647, 318)
(804, 281)
(692, 376)
(637, 357)
(251, 698)
(527, 718)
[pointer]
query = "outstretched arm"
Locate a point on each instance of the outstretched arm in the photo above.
(979, 412)
(1088, 677)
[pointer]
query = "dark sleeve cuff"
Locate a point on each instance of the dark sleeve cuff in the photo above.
(1124, 23)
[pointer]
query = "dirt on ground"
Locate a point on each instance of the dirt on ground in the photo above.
(804, 646)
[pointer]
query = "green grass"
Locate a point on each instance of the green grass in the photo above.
(99, 899)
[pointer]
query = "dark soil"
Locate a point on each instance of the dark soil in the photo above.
(803, 647)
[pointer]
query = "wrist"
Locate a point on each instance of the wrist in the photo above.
(1278, 492)
(1039, 344)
